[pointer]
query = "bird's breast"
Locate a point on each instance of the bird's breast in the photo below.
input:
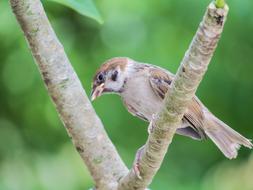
(140, 99)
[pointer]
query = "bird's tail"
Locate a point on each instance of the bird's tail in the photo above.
(225, 138)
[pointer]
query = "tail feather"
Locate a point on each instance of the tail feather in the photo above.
(226, 139)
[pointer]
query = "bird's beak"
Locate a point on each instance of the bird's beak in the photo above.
(97, 91)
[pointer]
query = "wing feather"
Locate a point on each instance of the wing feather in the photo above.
(160, 81)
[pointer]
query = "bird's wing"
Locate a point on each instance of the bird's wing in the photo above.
(134, 111)
(160, 81)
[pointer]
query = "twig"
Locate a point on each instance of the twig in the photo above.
(65, 89)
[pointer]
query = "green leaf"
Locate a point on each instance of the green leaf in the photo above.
(84, 7)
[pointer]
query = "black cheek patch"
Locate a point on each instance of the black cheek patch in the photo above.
(114, 76)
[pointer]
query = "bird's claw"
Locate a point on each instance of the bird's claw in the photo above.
(137, 170)
(151, 125)
(136, 166)
(150, 128)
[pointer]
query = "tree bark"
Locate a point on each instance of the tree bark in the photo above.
(183, 88)
(78, 115)
(68, 95)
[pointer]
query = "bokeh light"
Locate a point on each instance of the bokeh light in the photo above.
(35, 150)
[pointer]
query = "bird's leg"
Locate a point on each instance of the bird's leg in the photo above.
(136, 166)
(151, 126)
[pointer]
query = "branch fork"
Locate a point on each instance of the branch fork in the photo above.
(80, 120)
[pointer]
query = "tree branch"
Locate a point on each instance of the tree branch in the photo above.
(80, 119)
(65, 89)
(183, 88)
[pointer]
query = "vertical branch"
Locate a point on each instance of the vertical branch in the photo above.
(65, 89)
(183, 88)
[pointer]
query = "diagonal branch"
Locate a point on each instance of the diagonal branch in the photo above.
(65, 89)
(184, 86)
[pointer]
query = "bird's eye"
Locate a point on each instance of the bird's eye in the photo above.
(101, 78)
(114, 76)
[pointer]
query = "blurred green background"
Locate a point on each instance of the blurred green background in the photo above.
(35, 151)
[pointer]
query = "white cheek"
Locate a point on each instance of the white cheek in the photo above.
(115, 85)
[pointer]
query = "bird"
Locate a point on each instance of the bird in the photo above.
(143, 87)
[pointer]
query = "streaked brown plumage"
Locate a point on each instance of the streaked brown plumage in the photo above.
(143, 87)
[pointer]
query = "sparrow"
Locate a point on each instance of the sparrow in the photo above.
(143, 87)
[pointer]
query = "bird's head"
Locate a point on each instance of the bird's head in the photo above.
(110, 77)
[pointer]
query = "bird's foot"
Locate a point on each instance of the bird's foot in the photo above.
(136, 166)
(151, 126)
